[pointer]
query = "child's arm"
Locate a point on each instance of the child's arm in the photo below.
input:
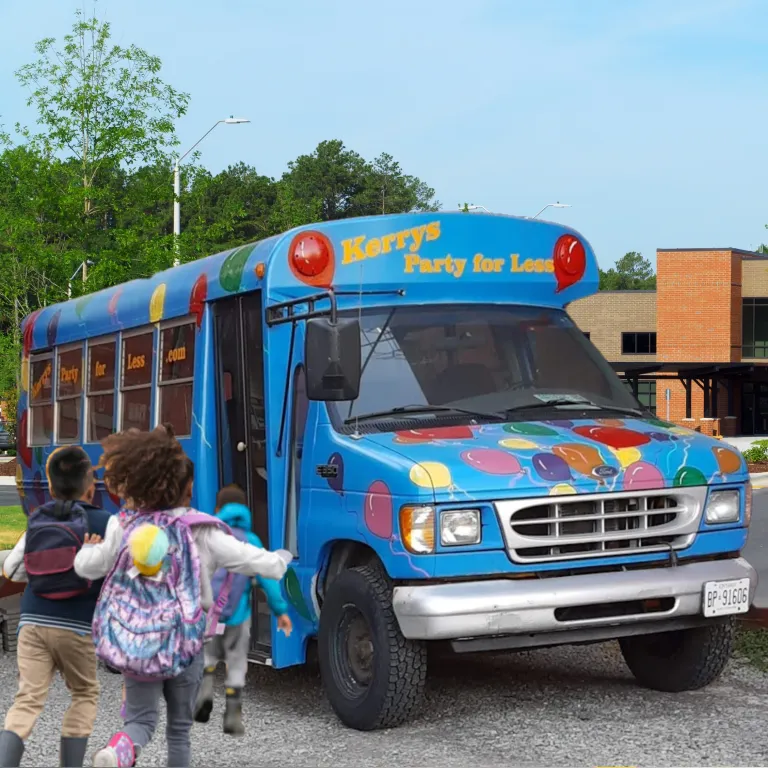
(13, 567)
(94, 561)
(238, 556)
(271, 588)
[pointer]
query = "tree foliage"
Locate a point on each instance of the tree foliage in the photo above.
(631, 273)
(91, 182)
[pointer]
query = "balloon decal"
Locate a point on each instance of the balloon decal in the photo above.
(562, 489)
(379, 510)
(81, 305)
(570, 261)
(197, 299)
(29, 332)
(728, 461)
(25, 452)
(662, 437)
(627, 456)
(231, 273)
(336, 483)
(530, 430)
(550, 467)
(562, 423)
(642, 476)
(613, 437)
(38, 454)
(20, 481)
(687, 476)
(112, 304)
(582, 458)
(518, 444)
(157, 304)
(295, 596)
(492, 461)
(53, 328)
(431, 474)
(436, 433)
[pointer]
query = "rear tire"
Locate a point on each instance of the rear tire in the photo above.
(685, 660)
(373, 677)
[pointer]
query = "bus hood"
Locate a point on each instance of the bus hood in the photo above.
(560, 457)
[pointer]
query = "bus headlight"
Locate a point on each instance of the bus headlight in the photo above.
(459, 527)
(417, 527)
(723, 507)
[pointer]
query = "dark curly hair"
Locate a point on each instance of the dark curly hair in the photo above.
(148, 468)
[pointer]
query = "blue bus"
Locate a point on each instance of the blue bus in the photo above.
(415, 416)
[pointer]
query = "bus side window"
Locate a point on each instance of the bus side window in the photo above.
(298, 430)
(69, 393)
(40, 399)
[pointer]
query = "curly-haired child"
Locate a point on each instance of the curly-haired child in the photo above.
(151, 473)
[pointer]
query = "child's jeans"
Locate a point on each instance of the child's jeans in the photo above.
(232, 649)
(42, 651)
(141, 704)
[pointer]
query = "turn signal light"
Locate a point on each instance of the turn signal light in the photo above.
(417, 528)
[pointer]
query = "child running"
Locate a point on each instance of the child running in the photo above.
(150, 621)
(232, 646)
(56, 610)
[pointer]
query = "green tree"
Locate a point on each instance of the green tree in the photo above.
(631, 273)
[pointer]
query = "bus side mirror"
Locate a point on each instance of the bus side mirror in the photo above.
(332, 359)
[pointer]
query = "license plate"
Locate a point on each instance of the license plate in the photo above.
(722, 598)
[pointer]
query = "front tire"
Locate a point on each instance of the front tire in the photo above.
(373, 677)
(685, 660)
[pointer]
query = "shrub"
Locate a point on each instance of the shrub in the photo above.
(757, 454)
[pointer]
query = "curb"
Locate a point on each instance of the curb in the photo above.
(6, 481)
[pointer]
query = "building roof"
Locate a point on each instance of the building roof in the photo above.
(684, 370)
(703, 250)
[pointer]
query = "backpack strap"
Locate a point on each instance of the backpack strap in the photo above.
(192, 519)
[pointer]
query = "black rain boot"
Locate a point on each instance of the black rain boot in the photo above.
(233, 714)
(11, 749)
(204, 703)
(72, 752)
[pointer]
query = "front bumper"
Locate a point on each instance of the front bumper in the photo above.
(456, 611)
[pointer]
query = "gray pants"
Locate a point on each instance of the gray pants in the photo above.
(232, 649)
(142, 700)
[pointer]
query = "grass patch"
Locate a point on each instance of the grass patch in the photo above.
(752, 644)
(13, 522)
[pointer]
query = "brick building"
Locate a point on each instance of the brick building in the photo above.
(701, 337)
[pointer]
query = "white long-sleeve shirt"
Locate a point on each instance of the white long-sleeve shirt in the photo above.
(216, 549)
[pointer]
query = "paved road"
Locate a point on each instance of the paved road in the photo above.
(9, 496)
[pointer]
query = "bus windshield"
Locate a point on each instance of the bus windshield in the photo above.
(491, 360)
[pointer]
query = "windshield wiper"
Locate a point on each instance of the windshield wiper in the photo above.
(407, 409)
(588, 404)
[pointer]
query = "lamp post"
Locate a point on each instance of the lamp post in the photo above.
(84, 267)
(551, 205)
(177, 183)
(477, 208)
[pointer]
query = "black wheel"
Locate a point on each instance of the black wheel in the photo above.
(680, 661)
(373, 677)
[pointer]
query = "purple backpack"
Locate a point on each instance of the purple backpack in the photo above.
(239, 584)
(153, 628)
(50, 549)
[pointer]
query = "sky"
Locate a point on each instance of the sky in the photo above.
(648, 117)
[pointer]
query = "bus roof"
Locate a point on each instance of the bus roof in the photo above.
(440, 257)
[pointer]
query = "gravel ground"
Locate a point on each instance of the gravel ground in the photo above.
(561, 707)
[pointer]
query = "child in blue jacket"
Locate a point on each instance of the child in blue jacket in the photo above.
(232, 646)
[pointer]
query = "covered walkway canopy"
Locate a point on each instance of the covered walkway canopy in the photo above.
(708, 376)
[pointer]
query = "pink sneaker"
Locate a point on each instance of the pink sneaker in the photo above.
(119, 753)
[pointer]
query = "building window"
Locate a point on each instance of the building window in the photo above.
(638, 343)
(69, 390)
(646, 393)
(40, 400)
(136, 381)
(102, 357)
(176, 370)
(754, 315)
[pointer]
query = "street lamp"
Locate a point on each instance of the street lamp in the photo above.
(477, 208)
(551, 205)
(84, 266)
(177, 183)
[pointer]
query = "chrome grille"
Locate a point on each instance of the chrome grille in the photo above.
(597, 525)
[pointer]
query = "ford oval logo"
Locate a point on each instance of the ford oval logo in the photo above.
(605, 471)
